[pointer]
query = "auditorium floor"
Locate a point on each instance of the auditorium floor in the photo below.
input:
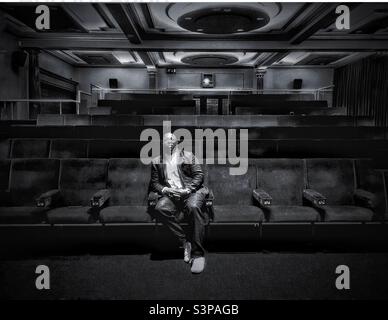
(227, 276)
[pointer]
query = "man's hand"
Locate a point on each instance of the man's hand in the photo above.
(168, 191)
(176, 193)
(183, 192)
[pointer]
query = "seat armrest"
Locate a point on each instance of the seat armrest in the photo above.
(210, 198)
(153, 198)
(314, 197)
(48, 199)
(262, 197)
(100, 198)
(365, 198)
(209, 201)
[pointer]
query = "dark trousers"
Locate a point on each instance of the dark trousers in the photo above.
(167, 210)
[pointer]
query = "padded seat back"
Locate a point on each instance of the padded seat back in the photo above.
(371, 180)
(334, 178)
(68, 148)
(30, 148)
(128, 180)
(115, 148)
(283, 179)
(32, 177)
(231, 189)
(116, 120)
(5, 166)
(77, 120)
(4, 148)
(50, 120)
(81, 178)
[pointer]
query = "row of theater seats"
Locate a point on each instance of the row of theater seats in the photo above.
(127, 148)
(121, 103)
(151, 105)
(106, 108)
(163, 97)
(247, 121)
(116, 191)
(134, 132)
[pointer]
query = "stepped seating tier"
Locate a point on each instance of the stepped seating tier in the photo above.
(248, 121)
(130, 148)
(133, 132)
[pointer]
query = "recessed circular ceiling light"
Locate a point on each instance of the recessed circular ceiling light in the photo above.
(208, 60)
(227, 20)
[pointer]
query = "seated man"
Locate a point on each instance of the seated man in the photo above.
(178, 178)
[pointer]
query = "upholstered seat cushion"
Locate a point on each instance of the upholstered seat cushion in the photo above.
(72, 214)
(125, 214)
(242, 213)
(21, 215)
(347, 213)
(291, 214)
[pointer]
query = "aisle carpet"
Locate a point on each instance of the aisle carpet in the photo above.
(227, 276)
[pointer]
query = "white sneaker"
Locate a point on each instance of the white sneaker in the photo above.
(187, 252)
(198, 265)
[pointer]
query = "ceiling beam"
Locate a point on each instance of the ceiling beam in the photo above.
(147, 59)
(123, 18)
(147, 15)
(273, 58)
(118, 41)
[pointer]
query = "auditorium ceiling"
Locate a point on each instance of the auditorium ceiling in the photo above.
(207, 35)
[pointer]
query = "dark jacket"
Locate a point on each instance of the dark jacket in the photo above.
(189, 170)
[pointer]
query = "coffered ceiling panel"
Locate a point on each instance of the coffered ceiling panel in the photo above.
(255, 35)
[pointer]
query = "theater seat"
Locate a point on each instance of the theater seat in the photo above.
(292, 214)
(128, 181)
(4, 148)
(283, 180)
(347, 213)
(30, 148)
(233, 195)
(80, 179)
(125, 214)
(68, 148)
(29, 177)
(23, 214)
(72, 214)
(372, 180)
(236, 214)
(336, 180)
(50, 120)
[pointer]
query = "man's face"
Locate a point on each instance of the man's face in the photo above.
(170, 141)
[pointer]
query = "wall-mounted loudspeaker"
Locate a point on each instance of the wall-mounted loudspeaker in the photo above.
(113, 83)
(297, 84)
(18, 60)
